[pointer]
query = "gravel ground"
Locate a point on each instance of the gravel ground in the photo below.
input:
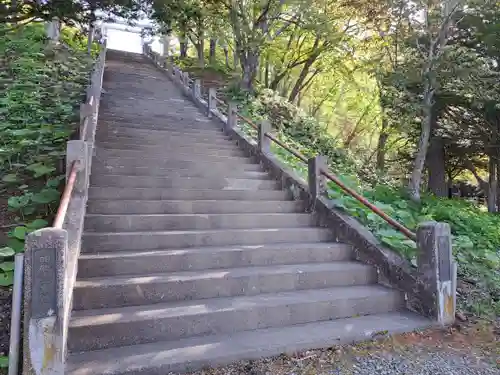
(472, 350)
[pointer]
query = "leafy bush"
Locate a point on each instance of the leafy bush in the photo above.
(38, 113)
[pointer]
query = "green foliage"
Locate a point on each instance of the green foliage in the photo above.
(38, 113)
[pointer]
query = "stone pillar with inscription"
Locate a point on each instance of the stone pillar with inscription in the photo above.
(437, 270)
(44, 290)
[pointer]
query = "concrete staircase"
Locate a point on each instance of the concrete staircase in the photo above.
(193, 256)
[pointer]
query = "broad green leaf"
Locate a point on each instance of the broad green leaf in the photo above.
(40, 169)
(20, 232)
(16, 245)
(4, 361)
(37, 224)
(47, 195)
(6, 252)
(7, 266)
(10, 178)
(6, 278)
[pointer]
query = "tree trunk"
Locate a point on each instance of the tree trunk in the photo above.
(302, 76)
(425, 133)
(436, 167)
(213, 46)
(381, 145)
(249, 67)
(200, 52)
(235, 55)
(492, 184)
(226, 55)
(266, 72)
(305, 70)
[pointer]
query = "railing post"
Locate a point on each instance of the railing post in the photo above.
(197, 89)
(264, 142)
(44, 296)
(232, 119)
(437, 269)
(316, 180)
(79, 151)
(212, 105)
(180, 77)
(85, 111)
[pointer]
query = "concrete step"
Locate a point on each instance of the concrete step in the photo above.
(215, 198)
(195, 171)
(164, 137)
(199, 135)
(165, 152)
(135, 290)
(200, 158)
(203, 258)
(172, 145)
(105, 328)
(159, 222)
(177, 162)
(146, 123)
(213, 182)
(100, 242)
(166, 121)
(199, 352)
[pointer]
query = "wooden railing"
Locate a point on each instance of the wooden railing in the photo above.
(51, 254)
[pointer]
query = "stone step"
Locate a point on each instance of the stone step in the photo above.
(160, 222)
(115, 327)
(162, 126)
(160, 158)
(203, 258)
(165, 152)
(177, 162)
(171, 144)
(219, 196)
(147, 207)
(164, 137)
(196, 121)
(200, 352)
(135, 290)
(100, 242)
(250, 171)
(213, 182)
(140, 133)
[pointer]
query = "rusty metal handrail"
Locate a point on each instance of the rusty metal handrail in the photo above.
(220, 101)
(247, 120)
(291, 150)
(66, 196)
(408, 233)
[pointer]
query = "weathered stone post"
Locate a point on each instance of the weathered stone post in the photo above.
(212, 105)
(232, 119)
(185, 82)
(85, 111)
(44, 334)
(264, 142)
(316, 180)
(197, 89)
(438, 270)
(79, 151)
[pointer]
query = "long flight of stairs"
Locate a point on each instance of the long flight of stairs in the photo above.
(193, 256)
